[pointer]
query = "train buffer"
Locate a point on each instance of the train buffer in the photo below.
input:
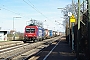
(58, 50)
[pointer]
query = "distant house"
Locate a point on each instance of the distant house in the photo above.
(12, 31)
(3, 35)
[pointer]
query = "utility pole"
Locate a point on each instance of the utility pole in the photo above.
(88, 6)
(13, 27)
(72, 28)
(78, 34)
(69, 31)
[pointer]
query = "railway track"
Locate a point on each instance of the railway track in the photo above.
(9, 44)
(12, 52)
(43, 53)
(12, 47)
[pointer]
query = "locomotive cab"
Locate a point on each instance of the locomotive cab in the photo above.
(30, 33)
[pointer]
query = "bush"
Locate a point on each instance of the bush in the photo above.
(9, 35)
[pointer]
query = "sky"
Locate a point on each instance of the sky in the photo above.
(26, 10)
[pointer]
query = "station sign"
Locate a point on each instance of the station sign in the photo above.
(69, 14)
(72, 19)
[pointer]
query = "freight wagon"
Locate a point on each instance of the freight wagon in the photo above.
(50, 33)
(46, 33)
(57, 33)
(32, 33)
(43, 34)
(53, 33)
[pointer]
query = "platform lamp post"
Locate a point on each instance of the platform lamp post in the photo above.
(13, 27)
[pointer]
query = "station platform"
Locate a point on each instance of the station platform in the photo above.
(62, 51)
(59, 50)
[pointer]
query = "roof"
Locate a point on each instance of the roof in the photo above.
(4, 30)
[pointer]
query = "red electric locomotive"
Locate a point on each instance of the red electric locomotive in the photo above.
(32, 33)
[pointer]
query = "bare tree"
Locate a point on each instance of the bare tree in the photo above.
(73, 8)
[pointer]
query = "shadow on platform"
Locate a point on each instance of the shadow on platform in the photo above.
(61, 52)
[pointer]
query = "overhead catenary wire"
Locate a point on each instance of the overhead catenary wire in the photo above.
(9, 10)
(5, 8)
(32, 5)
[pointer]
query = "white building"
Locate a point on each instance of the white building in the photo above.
(3, 35)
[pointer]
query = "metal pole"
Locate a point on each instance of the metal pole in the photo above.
(72, 29)
(13, 23)
(83, 5)
(78, 34)
(69, 30)
(13, 30)
(88, 6)
(72, 36)
(13, 27)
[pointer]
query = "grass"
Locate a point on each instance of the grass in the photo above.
(11, 35)
(4, 41)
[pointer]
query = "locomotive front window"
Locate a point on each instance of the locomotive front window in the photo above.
(27, 30)
(30, 30)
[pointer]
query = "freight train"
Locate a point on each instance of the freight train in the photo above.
(36, 33)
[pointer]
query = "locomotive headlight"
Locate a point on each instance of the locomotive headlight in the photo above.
(26, 35)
